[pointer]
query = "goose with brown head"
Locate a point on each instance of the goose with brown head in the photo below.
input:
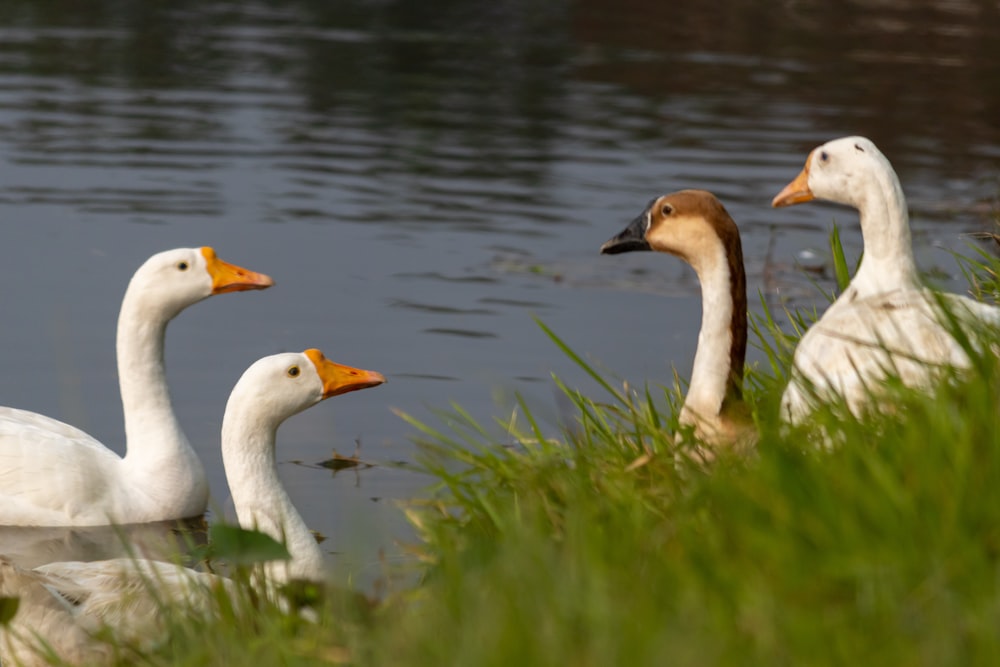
(694, 226)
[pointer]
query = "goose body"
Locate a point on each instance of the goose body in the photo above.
(66, 603)
(31, 546)
(695, 226)
(53, 474)
(885, 322)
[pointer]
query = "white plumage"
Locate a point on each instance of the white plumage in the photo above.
(53, 474)
(885, 322)
(64, 604)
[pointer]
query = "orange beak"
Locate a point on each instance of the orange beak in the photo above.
(796, 192)
(228, 277)
(338, 379)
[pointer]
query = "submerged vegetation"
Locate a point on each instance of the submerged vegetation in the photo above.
(613, 545)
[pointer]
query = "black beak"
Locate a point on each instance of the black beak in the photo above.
(630, 239)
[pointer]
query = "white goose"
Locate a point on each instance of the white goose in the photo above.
(53, 474)
(885, 321)
(694, 225)
(65, 603)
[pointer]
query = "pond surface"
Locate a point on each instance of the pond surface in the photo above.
(423, 178)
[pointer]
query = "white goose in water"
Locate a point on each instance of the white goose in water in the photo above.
(66, 603)
(885, 321)
(53, 474)
(694, 225)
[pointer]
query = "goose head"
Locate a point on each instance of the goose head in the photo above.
(691, 224)
(175, 279)
(283, 385)
(842, 171)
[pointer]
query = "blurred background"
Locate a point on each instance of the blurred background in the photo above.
(423, 177)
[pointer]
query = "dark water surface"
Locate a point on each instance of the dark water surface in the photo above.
(422, 177)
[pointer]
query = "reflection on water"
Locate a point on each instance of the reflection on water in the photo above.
(30, 547)
(422, 177)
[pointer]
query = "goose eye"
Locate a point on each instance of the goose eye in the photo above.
(824, 156)
(293, 372)
(667, 209)
(182, 266)
(859, 147)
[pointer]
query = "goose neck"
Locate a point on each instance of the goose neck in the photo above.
(151, 429)
(717, 375)
(260, 499)
(888, 262)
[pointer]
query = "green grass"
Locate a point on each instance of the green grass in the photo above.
(610, 546)
(885, 550)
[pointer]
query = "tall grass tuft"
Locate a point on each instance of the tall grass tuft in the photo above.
(884, 550)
